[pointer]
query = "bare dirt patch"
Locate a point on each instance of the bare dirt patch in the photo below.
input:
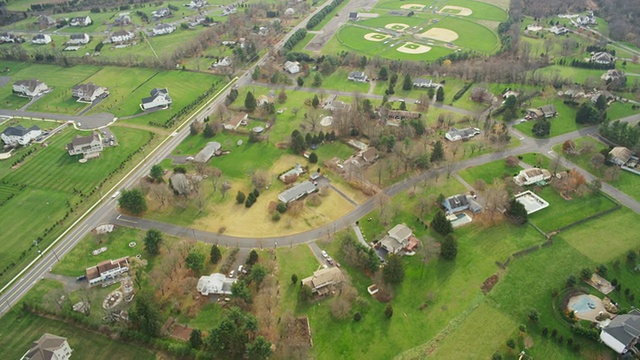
(397, 27)
(413, 48)
(489, 283)
(456, 10)
(412, 6)
(440, 34)
(371, 37)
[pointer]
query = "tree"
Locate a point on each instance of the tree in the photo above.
(133, 201)
(441, 224)
(517, 212)
(601, 103)
(294, 279)
(156, 173)
(152, 241)
(315, 101)
(250, 103)
(383, 74)
(541, 128)
(440, 94)
(317, 80)
(313, 158)
(297, 143)
(240, 197)
(231, 337)
(393, 270)
(449, 248)
(252, 258)
(195, 261)
(587, 114)
(195, 338)
(258, 273)
(305, 294)
(408, 83)
(438, 152)
(282, 97)
(388, 311)
(146, 316)
(258, 349)
(403, 106)
(300, 81)
(209, 131)
(239, 290)
(215, 254)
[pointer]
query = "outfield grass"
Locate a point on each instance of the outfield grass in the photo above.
(472, 36)
(480, 10)
(19, 331)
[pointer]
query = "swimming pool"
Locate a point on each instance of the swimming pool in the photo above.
(583, 304)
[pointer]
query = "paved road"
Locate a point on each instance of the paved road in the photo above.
(88, 122)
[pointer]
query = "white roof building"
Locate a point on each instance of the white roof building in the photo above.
(216, 284)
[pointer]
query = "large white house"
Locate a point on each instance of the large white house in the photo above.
(79, 39)
(531, 176)
(18, 135)
(41, 39)
(80, 21)
(602, 57)
(216, 284)
(90, 146)
(292, 67)
(122, 36)
(163, 29)
(87, 92)
(49, 347)
(159, 97)
(31, 87)
(6, 37)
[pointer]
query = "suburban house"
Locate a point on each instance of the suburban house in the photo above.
(290, 11)
(322, 280)
(216, 284)
(163, 29)
(89, 146)
(295, 172)
(210, 150)
(160, 13)
(622, 333)
(337, 105)
(602, 57)
(357, 76)
(80, 21)
(558, 30)
(363, 158)
(228, 10)
(424, 83)
(18, 135)
(122, 19)
(197, 20)
(296, 192)
(79, 39)
(45, 21)
(292, 67)
(403, 114)
(222, 63)
(107, 269)
(122, 36)
(10, 38)
(462, 134)
(586, 20)
(510, 93)
(31, 87)
(263, 31)
(159, 97)
(534, 114)
(613, 75)
(49, 347)
(236, 120)
(41, 39)
(457, 203)
(531, 176)
(548, 111)
(353, 16)
(399, 238)
(263, 100)
(620, 155)
(196, 4)
(88, 92)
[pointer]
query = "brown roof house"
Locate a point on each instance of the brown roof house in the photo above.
(89, 146)
(236, 121)
(49, 347)
(323, 279)
(107, 269)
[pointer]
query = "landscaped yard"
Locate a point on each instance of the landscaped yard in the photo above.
(488, 172)
(563, 123)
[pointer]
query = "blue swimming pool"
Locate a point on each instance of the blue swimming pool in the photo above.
(583, 304)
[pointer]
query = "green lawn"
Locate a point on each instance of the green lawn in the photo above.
(481, 10)
(472, 36)
(487, 172)
(297, 260)
(338, 81)
(618, 110)
(563, 123)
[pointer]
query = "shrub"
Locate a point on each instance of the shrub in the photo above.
(554, 332)
(276, 216)
(294, 278)
(585, 274)
(571, 281)
(511, 343)
(522, 328)
(388, 311)
(545, 332)
(357, 316)
(602, 269)
(281, 207)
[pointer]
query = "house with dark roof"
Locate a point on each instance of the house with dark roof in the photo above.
(160, 13)
(45, 21)
(353, 16)
(79, 39)
(80, 21)
(6, 37)
(297, 191)
(622, 333)
(322, 280)
(613, 75)
(619, 155)
(89, 146)
(41, 39)
(403, 114)
(107, 270)
(88, 92)
(461, 202)
(122, 19)
(158, 98)
(236, 120)
(357, 76)
(31, 87)
(462, 134)
(122, 36)
(49, 347)
(602, 57)
(548, 111)
(18, 135)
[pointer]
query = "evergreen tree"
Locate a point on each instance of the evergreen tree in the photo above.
(215, 254)
(133, 201)
(601, 103)
(587, 114)
(393, 270)
(315, 101)
(240, 197)
(441, 225)
(195, 338)
(408, 83)
(250, 103)
(300, 81)
(152, 241)
(517, 212)
(438, 152)
(208, 132)
(229, 340)
(146, 316)
(449, 248)
(156, 173)
(297, 143)
(383, 74)
(440, 94)
(313, 158)
(541, 128)
(195, 261)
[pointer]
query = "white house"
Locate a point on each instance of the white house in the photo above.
(558, 30)
(10, 38)
(18, 135)
(122, 19)
(89, 146)
(88, 92)
(292, 67)
(424, 83)
(222, 63)
(161, 13)
(49, 347)
(163, 29)
(122, 36)
(80, 21)
(228, 10)
(622, 333)
(41, 39)
(159, 97)
(531, 176)
(297, 191)
(31, 87)
(398, 238)
(107, 269)
(196, 4)
(602, 57)
(462, 134)
(357, 76)
(216, 284)
(79, 39)
(289, 11)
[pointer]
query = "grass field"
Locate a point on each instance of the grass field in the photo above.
(488, 172)
(563, 123)
(480, 10)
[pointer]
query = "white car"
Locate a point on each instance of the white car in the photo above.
(115, 194)
(241, 270)
(233, 272)
(324, 254)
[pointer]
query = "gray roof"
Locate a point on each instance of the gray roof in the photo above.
(357, 75)
(207, 152)
(155, 93)
(625, 328)
(45, 346)
(299, 190)
(39, 36)
(19, 130)
(548, 109)
(419, 81)
(78, 36)
(463, 133)
(457, 201)
(82, 140)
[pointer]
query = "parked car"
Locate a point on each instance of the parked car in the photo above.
(232, 273)
(324, 254)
